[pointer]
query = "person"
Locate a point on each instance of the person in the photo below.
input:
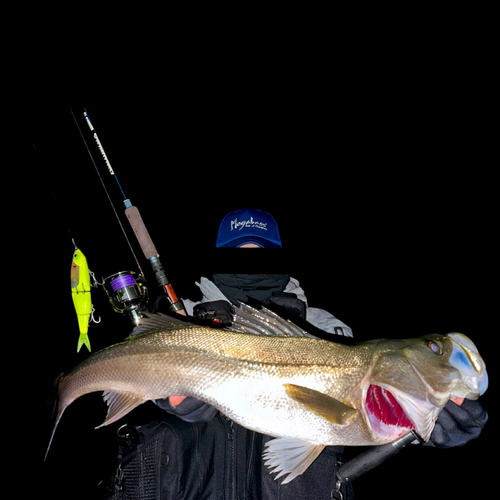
(195, 452)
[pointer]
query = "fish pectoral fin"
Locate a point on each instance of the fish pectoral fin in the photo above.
(322, 405)
(290, 457)
(119, 404)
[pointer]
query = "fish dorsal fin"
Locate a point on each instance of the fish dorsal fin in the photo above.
(291, 457)
(158, 321)
(119, 404)
(322, 405)
(262, 321)
(246, 319)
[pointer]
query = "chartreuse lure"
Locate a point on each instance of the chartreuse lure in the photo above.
(80, 291)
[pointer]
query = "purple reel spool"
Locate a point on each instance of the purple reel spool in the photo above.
(126, 292)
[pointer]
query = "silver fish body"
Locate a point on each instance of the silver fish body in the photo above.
(307, 392)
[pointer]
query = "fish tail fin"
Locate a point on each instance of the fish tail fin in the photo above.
(57, 411)
(83, 339)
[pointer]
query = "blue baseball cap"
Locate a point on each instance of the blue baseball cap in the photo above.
(248, 225)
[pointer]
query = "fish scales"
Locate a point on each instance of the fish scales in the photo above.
(164, 350)
(247, 370)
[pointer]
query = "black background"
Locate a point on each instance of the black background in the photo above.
(384, 193)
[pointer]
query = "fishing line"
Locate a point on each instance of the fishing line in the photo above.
(62, 216)
(102, 182)
(61, 213)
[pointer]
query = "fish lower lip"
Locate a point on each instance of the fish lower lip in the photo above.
(382, 406)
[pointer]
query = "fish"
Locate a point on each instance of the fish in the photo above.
(80, 292)
(273, 377)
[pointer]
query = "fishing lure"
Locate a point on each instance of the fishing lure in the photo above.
(80, 291)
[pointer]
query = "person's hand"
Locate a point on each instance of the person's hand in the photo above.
(187, 408)
(176, 400)
(459, 422)
(217, 313)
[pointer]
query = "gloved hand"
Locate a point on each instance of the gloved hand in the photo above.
(457, 425)
(189, 410)
(217, 313)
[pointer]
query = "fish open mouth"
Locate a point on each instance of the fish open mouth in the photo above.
(385, 413)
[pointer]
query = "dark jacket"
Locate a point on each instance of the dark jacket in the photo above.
(216, 460)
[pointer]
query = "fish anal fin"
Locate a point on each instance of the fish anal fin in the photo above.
(119, 404)
(322, 405)
(290, 457)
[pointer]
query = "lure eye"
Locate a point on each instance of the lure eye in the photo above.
(434, 347)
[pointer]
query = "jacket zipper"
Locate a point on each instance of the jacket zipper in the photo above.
(250, 465)
(231, 458)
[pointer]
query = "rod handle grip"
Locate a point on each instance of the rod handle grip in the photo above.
(368, 460)
(141, 233)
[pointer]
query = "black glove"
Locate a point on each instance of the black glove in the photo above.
(457, 425)
(190, 410)
(217, 313)
(287, 305)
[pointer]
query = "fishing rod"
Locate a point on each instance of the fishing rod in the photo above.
(125, 285)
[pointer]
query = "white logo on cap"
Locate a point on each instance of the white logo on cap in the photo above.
(239, 225)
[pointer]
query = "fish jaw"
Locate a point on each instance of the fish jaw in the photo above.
(466, 359)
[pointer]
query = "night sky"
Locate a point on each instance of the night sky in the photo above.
(388, 216)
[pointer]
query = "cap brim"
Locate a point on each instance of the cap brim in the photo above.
(238, 242)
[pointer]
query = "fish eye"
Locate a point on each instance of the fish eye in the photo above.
(434, 347)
